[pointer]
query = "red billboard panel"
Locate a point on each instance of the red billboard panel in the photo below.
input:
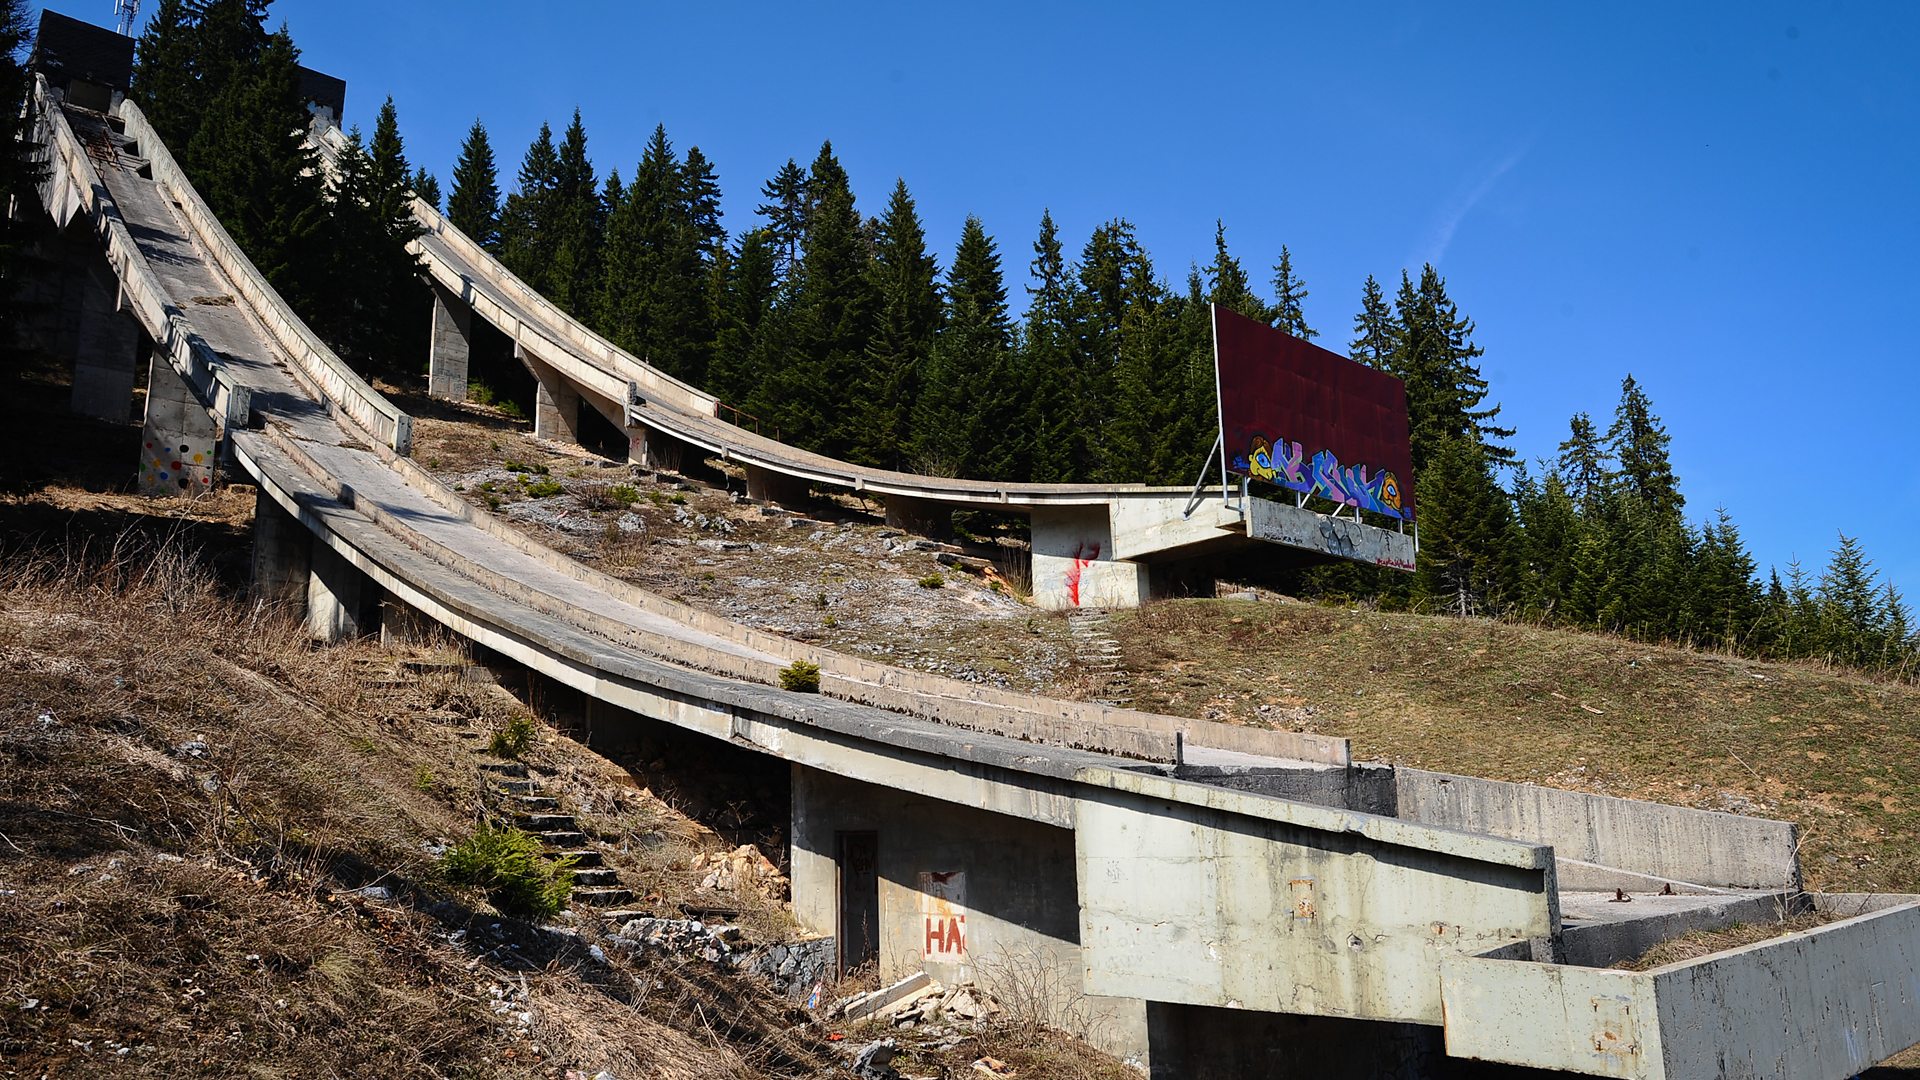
(1309, 420)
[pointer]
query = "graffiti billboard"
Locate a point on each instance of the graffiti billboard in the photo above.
(1312, 421)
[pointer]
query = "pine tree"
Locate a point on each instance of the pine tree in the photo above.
(1288, 293)
(527, 233)
(1897, 652)
(1373, 328)
(1465, 531)
(1061, 451)
(254, 170)
(831, 314)
(1852, 623)
(786, 211)
(1638, 442)
(908, 315)
(742, 342)
(1435, 356)
(228, 36)
(1585, 462)
(1227, 281)
(1114, 276)
(1725, 598)
(163, 74)
(964, 423)
(427, 186)
(574, 216)
(1552, 534)
(649, 288)
(474, 206)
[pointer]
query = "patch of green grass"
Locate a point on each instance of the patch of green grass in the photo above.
(544, 488)
(931, 581)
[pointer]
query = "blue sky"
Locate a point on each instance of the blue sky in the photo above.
(1722, 199)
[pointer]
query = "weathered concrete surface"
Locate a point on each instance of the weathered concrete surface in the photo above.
(1295, 527)
(450, 351)
(1073, 563)
(556, 406)
(105, 341)
(1824, 1004)
(180, 442)
(282, 556)
(963, 894)
(1599, 930)
(1202, 896)
(1368, 789)
(765, 485)
(341, 602)
(1668, 842)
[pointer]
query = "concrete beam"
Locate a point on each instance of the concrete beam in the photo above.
(451, 350)
(179, 443)
(106, 342)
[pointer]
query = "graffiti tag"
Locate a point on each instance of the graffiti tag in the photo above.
(1285, 463)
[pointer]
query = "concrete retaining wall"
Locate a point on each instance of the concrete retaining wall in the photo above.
(1202, 896)
(1662, 842)
(1824, 1004)
(344, 392)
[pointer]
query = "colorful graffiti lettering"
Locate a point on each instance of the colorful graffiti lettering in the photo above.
(1349, 485)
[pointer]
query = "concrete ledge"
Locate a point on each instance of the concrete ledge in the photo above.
(1824, 1004)
(1663, 842)
(1599, 944)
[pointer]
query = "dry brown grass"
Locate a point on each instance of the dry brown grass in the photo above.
(192, 792)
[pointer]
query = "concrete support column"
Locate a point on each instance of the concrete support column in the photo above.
(180, 442)
(556, 407)
(652, 449)
(765, 485)
(919, 517)
(341, 602)
(106, 345)
(1073, 564)
(452, 346)
(282, 556)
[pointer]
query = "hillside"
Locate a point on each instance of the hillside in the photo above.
(1836, 752)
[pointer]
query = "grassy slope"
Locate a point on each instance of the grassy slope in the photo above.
(1837, 753)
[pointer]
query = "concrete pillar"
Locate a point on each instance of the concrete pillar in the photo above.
(105, 348)
(556, 406)
(652, 449)
(1073, 563)
(452, 346)
(765, 485)
(920, 517)
(282, 556)
(180, 442)
(341, 602)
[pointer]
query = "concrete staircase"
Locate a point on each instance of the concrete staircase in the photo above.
(1097, 656)
(519, 799)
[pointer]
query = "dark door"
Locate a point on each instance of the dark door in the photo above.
(859, 930)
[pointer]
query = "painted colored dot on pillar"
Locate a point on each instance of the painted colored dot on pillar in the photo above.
(183, 483)
(199, 458)
(176, 466)
(184, 448)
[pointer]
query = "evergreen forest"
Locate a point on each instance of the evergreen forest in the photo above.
(833, 325)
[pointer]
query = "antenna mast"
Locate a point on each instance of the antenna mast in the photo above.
(126, 10)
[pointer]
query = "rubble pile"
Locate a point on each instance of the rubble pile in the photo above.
(794, 967)
(742, 869)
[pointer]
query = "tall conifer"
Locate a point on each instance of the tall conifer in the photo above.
(474, 205)
(906, 318)
(1288, 293)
